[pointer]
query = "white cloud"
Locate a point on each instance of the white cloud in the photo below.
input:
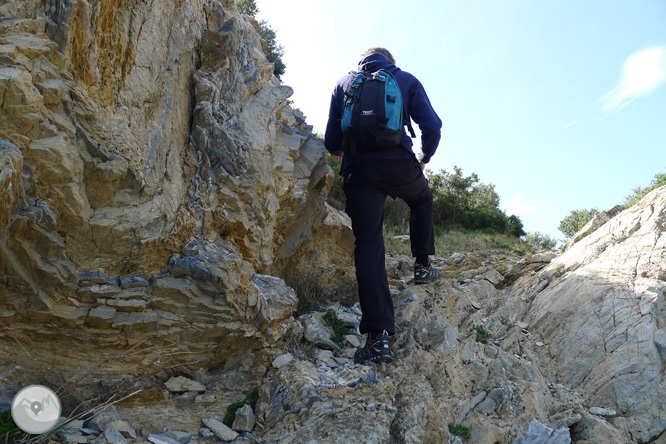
(642, 73)
(572, 123)
(520, 205)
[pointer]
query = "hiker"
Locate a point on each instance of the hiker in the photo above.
(370, 174)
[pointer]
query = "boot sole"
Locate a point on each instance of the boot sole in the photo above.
(376, 359)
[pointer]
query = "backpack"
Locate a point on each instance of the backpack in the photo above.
(373, 114)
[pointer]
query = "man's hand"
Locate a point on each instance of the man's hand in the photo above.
(423, 165)
(338, 158)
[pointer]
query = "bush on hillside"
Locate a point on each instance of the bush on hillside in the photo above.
(639, 193)
(248, 7)
(275, 50)
(459, 202)
(576, 220)
(540, 241)
(465, 202)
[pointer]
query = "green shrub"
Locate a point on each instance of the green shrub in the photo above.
(9, 431)
(251, 398)
(576, 220)
(482, 335)
(460, 430)
(639, 193)
(338, 325)
(248, 7)
(461, 201)
(540, 241)
(275, 50)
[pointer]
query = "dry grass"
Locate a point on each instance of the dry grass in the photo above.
(458, 242)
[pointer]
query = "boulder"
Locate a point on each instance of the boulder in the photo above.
(220, 430)
(181, 384)
(245, 420)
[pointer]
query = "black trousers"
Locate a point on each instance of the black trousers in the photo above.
(367, 183)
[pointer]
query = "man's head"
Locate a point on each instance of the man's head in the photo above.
(383, 51)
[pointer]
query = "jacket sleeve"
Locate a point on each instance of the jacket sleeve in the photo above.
(333, 135)
(422, 112)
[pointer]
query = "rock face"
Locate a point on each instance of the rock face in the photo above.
(604, 304)
(153, 180)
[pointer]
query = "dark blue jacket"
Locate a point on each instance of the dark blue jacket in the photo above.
(416, 103)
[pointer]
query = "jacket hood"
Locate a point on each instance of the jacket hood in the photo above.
(374, 62)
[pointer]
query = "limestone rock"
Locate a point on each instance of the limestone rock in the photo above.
(221, 431)
(600, 411)
(181, 384)
(154, 182)
(492, 276)
(596, 222)
(542, 258)
(178, 436)
(11, 184)
(282, 360)
(160, 439)
(317, 331)
(319, 411)
(113, 436)
(607, 306)
(75, 438)
(245, 420)
(541, 434)
(123, 428)
(594, 429)
(103, 419)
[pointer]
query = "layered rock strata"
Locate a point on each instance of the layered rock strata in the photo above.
(153, 178)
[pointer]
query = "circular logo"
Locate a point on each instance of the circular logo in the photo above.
(36, 409)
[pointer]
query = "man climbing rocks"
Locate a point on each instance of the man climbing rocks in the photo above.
(370, 174)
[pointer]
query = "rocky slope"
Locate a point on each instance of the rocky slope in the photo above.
(157, 186)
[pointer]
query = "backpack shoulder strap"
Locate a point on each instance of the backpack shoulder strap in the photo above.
(407, 121)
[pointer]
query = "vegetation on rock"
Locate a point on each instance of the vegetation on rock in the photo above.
(482, 335)
(251, 398)
(9, 432)
(460, 430)
(338, 326)
(576, 220)
(639, 193)
(275, 50)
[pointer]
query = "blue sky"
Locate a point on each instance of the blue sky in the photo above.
(561, 105)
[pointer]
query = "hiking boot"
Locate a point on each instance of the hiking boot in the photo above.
(424, 275)
(374, 350)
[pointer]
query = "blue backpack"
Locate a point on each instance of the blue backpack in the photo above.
(373, 116)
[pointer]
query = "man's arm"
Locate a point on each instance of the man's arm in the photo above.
(333, 135)
(422, 112)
